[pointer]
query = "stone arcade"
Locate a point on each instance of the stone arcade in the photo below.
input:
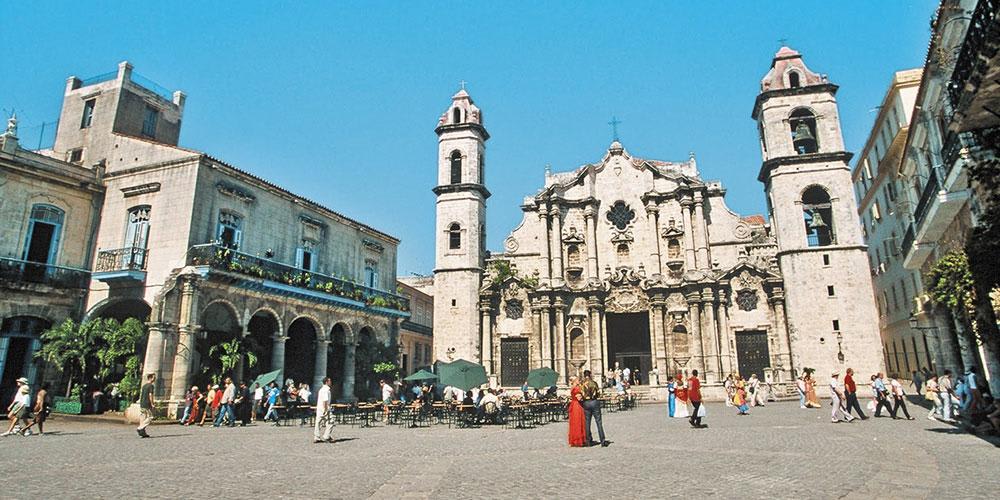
(639, 262)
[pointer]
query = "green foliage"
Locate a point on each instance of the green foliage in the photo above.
(502, 272)
(229, 354)
(950, 282)
(69, 346)
(121, 342)
(370, 356)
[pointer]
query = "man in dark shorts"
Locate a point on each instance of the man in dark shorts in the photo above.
(146, 405)
(42, 408)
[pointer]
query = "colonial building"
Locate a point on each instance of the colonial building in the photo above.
(885, 215)
(208, 252)
(49, 211)
(639, 262)
(416, 334)
(954, 132)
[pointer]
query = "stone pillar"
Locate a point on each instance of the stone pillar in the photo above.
(784, 343)
(319, 373)
(557, 262)
(560, 341)
(669, 367)
(594, 349)
(652, 219)
(725, 336)
(154, 355)
(535, 348)
(348, 384)
(187, 328)
(589, 215)
(697, 350)
(945, 334)
(700, 234)
(713, 364)
(543, 215)
(547, 354)
(604, 342)
(656, 336)
(689, 251)
(278, 357)
(486, 345)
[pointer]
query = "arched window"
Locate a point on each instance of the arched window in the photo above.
(803, 128)
(817, 212)
(573, 256)
(44, 232)
(456, 167)
(673, 248)
(456, 115)
(454, 236)
(622, 251)
(793, 80)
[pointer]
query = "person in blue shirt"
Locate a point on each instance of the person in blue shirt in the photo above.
(881, 395)
(272, 399)
(975, 393)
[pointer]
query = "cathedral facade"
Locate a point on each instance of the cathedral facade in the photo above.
(639, 263)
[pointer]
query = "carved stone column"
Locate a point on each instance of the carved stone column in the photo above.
(725, 336)
(319, 372)
(713, 364)
(777, 302)
(543, 215)
(546, 314)
(278, 356)
(656, 336)
(154, 354)
(589, 215)
(348, 385)
(557, 261)
(537, 338)
(700, 234)
(689, 251)
(560, 344)
(486, 346)
(652, 219)
(186, 330)
(669, 365)
(697, 346)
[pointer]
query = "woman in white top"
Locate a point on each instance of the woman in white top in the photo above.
(17, 412)
(931, 391)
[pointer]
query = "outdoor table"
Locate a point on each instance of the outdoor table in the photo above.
(520, 417)
(367, 412)
(464, 416)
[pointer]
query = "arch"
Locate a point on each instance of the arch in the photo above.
(454, 236)
(817, 214)
(794, 80)
(455, 159)
(368, 352)
(340, 336)
(220, 322)
(300, 349)
(456, 115)
(120, 309)
(262, 328)
(802, 125)
(221, 303)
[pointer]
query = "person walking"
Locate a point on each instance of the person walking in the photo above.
(975, 393)
(918, 381)
(899, 396)
(592, 408)
(851, 393)
(931, 394)
(800, 386)
(42, 408)
(146, 405)
(243, 405)
(837, 400)
(387, 399)
(226, 405)
(694, 395)
(17, 412)
(258, 399)
(324, 418)
(881, 396)
(756, 392)
(945, 393)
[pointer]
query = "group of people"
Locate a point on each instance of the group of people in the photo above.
(232, 403)
(21, 409)
(584, 408)
(744, 394)
(680, 392)
(966, 397)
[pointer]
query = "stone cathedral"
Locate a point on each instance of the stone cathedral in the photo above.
(640, 263)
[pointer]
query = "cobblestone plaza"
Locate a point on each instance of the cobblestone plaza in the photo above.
(779, 451)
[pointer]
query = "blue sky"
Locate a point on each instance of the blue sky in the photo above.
(338, 101)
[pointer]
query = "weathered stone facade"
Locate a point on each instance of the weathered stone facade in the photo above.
(637, 262)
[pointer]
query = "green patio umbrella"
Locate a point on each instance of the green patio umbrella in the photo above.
(265, 378)
(542, 377)
(462, 374)
(420, 376)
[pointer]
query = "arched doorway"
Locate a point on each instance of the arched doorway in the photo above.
(335, 359)
(262, 328)
(300, 351)
(219, 324)
(368, 352)
(19, 340)
(121, 309)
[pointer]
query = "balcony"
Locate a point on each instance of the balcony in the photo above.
(22, 271)
(285, 278)
(931, 189)
(121, 265)
(908, 241)
(934, 213)
(974, 89)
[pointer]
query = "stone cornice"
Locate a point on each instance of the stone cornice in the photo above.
(809, 89)
(458, 188)
(773, 163)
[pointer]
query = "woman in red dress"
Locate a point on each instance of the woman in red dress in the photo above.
(577, 435)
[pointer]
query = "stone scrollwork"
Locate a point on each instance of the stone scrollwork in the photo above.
(746, 299)
(510, 244)
(513, 309)
(626, 300)
(742, 231)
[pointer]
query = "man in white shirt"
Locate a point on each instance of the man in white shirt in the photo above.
(837, 400)
(258, 398)
(322, 414)
(226, 405)
(386, 399)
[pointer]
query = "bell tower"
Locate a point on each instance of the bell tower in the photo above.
(829, 298)
(460, 229)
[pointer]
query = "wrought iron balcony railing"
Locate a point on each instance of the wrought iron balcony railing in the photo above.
(931, 190)
(226, 259)
(122, 259)
(982, 30)
(908, 241)
(17, 270)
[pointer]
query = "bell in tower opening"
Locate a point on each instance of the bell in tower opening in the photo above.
(803, 125)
